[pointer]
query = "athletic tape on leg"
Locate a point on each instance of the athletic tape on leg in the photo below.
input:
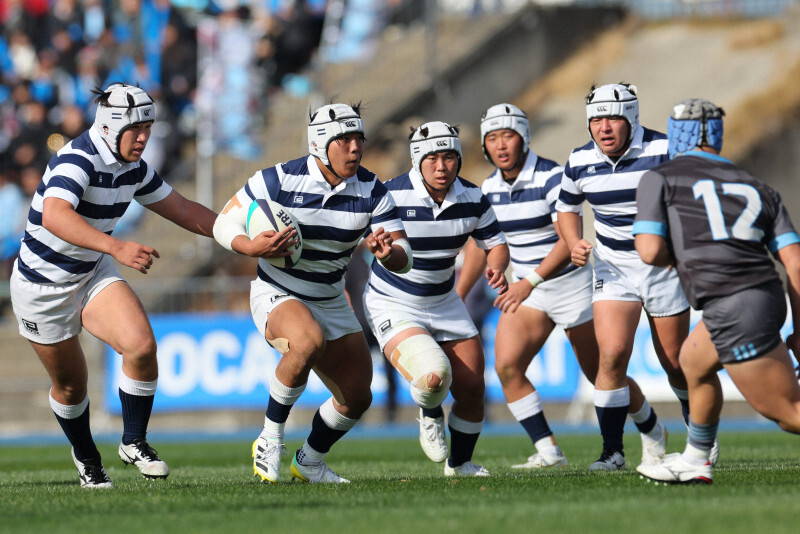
(281, 344)
(424, 364)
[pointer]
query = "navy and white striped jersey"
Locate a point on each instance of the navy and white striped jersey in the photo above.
(436, 235)
(610, 189)
(332, 222)
(526, 210)
(86, 174)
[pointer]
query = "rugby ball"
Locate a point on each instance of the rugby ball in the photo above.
(264, 215)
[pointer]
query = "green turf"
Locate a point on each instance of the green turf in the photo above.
(395, 489)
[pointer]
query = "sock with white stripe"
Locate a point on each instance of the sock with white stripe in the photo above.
(463, 437)
(327, 428)
(612, 410)
(281, 400)
(74, 421)
(137, 404)
(528, 411)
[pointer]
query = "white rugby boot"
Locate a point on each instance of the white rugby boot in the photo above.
(467, 469)
(653, 450)
(543, 461)
(432, 437)
(675, 470)
(609, 461)
(713, 458)
(267, 459)
(145, 457)
(92, 474)
(315, 474)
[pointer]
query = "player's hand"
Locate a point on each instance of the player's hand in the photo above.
(497, 280)
(272, 244)
(134, 255)
(580, 253)
(379, 243)
(509, 301)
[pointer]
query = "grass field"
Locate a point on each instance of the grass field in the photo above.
(395, 489)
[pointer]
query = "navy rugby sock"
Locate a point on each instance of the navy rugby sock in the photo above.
(79, 435)
(136, 411)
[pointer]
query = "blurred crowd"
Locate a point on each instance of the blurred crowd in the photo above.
(54, 52)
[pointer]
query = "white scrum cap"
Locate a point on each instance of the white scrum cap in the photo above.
(125, 106)
(328, 123)
(614, 100)
(434, 137)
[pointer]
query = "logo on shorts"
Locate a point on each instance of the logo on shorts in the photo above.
(30, 326)
(385, 326)
(598, 286)
(275, 298)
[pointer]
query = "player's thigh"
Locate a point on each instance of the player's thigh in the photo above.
(116, 316)
(66, 365)
(519, 337)
(698, 355)
(345, 368)
(770, 385)
(668, 335)
(292, 329)
(615, 323)
(467, 362)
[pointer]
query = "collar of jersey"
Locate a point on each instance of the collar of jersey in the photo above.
(419, 187)
(525, 174)
(636, 143)
(315, 173)
(707, 155)
(102, 148)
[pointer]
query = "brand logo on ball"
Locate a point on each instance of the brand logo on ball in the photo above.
(284, 217)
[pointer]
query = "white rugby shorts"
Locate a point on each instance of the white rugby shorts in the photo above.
(49, 313)
(446, 319)
(335, 316)
(567, 300)
(657, 288)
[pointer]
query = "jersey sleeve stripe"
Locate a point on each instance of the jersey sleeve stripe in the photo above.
(650, 227)
(783, 240)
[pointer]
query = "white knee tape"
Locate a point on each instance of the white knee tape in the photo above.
(425, 365)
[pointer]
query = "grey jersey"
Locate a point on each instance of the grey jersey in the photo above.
(719, 222)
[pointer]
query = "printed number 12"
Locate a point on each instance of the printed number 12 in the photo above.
(743, 227)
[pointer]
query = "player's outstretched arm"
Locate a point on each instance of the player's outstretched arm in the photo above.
(185, 213)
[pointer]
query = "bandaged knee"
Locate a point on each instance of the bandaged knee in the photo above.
(424, 364)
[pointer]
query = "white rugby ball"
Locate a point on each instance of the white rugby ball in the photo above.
(264, 215)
